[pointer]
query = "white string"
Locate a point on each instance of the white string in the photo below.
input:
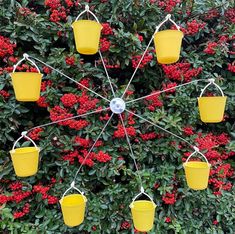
(132, 154)
(197, 151)
(70, 78)
(137, 67)
(150, 122)
(92, 146)
(163, 91)
(168, 17)
(23, 134)
(141, 192)
(212, 82)
(72, 186)
(26, 57)
(110, 83)
(73, 117)
(87, 9)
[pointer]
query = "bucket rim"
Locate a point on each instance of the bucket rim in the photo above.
(200, 162)
(169, 30)
(85, 20)
(27, 73)
(30, 147)
(76, 194)
(138, 201)
(212, 97)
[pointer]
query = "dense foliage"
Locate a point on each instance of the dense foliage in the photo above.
(43, 30)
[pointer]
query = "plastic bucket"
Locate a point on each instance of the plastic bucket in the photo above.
(73, 208)
(197, 174)
(211, 109)
(167, 45)
(143, 212)
(26, 85)
(25, 161)
(87, 36)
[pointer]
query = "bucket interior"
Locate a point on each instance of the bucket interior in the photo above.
(143, 205)
(25, 150)
(73, 200)
(196, 164)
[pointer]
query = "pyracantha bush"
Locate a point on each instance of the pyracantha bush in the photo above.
(42, 29)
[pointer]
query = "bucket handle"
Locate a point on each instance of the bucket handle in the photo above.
(168, 17)
(23, 134)
(212, 82)
(87, 9)
(196, 150)
(25, 57)
(72, 186)
(141, 192)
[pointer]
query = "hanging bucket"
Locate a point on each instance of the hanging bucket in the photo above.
(143, 212)
(168, 43)
(197, 173)
(73, 208)
(87, 34)
(211, 109)
(25, 160)
(26, 85)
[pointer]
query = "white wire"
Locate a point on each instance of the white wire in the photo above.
(70, 78)
(163, 91)
(62, 120)
(132, 154)
(137, 67)
(150, 122)
(93, 146)
(110, 83)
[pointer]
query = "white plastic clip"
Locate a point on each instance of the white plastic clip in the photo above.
(196, 149)
(87, 8)
(24, 133)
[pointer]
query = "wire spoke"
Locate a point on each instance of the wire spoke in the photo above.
(73, 117)
(107, 74)
(131, 150)
(163, 129)
(92, 147)
(61, 73)
(137, 67)
(163, 91)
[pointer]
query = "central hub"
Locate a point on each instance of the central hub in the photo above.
(117, 105)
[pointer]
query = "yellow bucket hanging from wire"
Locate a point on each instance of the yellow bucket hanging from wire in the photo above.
(211, 109)
(26, 85)
(168, 43)
(87, 33)
(143, 212)
(25, 160)
(73, 207)
(87, 36)
(197, 173)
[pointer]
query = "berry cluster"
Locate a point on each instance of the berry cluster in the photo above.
(6, 47)
(181, 71)
(136, 59)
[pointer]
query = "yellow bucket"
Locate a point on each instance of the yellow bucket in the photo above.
(197, 174)
(73, 208)
(26, 85)
(143, 212)
(25, 161)
(211, 109)
(87, 36)
(167, 45)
